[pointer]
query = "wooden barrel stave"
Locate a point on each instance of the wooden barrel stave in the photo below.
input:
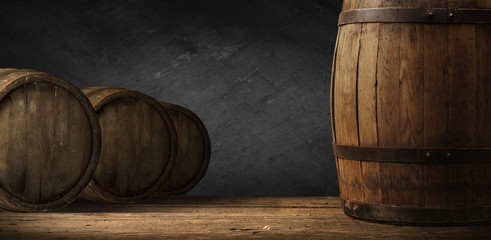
(413, 85)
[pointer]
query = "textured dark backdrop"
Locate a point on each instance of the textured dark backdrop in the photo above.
(256, 72)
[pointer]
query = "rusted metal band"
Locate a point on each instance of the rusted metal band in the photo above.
(415, 15)
(413, 155)
(417, 215)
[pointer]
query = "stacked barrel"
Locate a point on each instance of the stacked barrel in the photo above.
(110, 145)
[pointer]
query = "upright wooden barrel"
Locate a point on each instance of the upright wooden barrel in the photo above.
(411, 111)
(139, 146)
(49, 141)
(193, 153)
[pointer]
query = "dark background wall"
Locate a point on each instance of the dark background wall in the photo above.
(257, 73)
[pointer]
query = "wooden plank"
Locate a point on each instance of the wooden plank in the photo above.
(125, 147)
(367, 85)
(480, 172)
(346, 105)
(17, 154)
(36, 152)
(217, 218)
(369, 4)
(136, 129)
(332, 89)
(436, 97)
(411, 82)
(367, 109)
(403, 3)
(39, 105)
(463, 3)
(400, 110)
(353, 179)
(387, 100)
(402, 184)
(343, 184)
(388, 85)
(483, 78)
(462, 105)
(345, 85)
(107, 172)
(58, 176)
(411, 89)
(341, 35)
(481, 184)
(435, 4)
(348, 5)
(436, 106)
(482, 178)
(436, 102)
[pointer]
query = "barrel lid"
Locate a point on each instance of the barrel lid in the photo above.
(41, 134)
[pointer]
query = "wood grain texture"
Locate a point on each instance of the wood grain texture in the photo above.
(462, 107)
(193, 155)
(367, 85)
(138, 146)
(436, 100)
(367, 107)
(345, 106)
(410, 111)
(217, 218)
(483, 118)
(36, 172)
(418, 85)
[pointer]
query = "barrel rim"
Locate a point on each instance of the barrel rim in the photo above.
(22, 77)
(417, 216)
(105, 95)
(206, 154)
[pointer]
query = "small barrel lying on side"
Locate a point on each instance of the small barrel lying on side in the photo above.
(49, 141)
(139, 146)
(193, 153)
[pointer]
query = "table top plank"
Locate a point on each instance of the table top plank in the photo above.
(216, 218)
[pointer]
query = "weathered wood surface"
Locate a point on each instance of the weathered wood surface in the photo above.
(138, 146)
(193, 151)
(49, 141)
(216, 218)
(405, 85)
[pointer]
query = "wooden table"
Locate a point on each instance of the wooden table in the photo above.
(216, 218)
